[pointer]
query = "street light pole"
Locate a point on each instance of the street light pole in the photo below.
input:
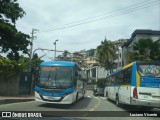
(55, 49)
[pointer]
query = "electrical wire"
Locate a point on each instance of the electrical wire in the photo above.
(102, 17)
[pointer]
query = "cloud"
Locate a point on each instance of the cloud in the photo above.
(47, 15)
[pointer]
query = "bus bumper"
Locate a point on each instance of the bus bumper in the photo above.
(149, 103)
(66, 100)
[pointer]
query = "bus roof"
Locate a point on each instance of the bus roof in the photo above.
(115, 72)
(148, 62)
(58, 63)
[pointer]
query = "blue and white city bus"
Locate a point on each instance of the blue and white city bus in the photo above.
(60, 82)
(137, 83)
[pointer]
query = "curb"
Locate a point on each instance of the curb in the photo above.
(8, 101)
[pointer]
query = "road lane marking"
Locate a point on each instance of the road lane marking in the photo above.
(93, 109)
(103, 98)
(89, 96)
(96, 106)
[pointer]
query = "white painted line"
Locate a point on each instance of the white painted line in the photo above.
(89, 96)
(103, 98)
(92, 110)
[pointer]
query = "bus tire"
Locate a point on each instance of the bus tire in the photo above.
(107, 94)
(117, 101)
(77, 96)
(83, 94)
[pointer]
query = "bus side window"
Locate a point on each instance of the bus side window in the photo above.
(116, 78)
(120, 78)
(76, 75)
(127, 76)
(113, 79)
(109, 81)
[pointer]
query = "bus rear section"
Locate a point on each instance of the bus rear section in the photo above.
(145, 90)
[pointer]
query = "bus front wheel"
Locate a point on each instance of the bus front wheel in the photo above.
(77, 97)
(107, 94)
(83, 94)
(117, 101)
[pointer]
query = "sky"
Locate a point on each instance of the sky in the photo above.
(83, 24)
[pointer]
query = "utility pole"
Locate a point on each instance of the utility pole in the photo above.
(55, 49)
(30, 57)
(31, 48)
(159, 14)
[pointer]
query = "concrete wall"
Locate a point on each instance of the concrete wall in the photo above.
(9, 87)
(96, 73)
(145, 36)
(101, 72)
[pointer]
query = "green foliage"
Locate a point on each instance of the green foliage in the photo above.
(11, 40)
(106, 54)
(11, 10)
(25, 62)
(145, 50)
(9, 68)
(91, 52)
(35, 61)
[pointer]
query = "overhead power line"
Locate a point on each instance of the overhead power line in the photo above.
(159, 14)
(108, 15)
(94, 17)
(98, 15)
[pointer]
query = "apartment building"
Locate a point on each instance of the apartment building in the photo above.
(136, 35)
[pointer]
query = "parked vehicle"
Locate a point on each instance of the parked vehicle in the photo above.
(98, 91)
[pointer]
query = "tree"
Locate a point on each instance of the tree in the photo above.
(91, 52)
(11, 40)
(24, 62)
(9, 68)
(65, 54)
(145, 49)
(106, 54)
(36, 60)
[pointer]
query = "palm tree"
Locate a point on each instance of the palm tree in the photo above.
(146, 49)
(155, 51)
(106, 54)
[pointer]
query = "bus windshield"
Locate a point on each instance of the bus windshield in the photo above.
(55, 77)
(149, 70)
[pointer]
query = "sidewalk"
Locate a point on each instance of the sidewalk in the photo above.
(15, 99)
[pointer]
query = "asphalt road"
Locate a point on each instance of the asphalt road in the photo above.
(89, 108)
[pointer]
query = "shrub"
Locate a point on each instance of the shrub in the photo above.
(9, 68)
